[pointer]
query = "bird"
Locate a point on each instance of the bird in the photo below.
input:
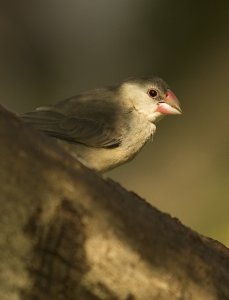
(107, 127)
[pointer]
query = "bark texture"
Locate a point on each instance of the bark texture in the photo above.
(69, 234)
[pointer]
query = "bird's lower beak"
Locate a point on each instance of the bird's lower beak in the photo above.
(170, 106)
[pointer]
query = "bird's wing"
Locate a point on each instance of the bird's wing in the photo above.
(98, 127)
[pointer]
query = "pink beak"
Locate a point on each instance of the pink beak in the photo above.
(170, 106)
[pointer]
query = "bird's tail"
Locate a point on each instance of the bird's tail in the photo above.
(44, 120)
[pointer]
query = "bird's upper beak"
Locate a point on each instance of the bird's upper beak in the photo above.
(170, 105)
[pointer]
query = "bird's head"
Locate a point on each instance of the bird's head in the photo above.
(151, 97)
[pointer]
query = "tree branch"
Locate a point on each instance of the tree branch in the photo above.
(67, 233)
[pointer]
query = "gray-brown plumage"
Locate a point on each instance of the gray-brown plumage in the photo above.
(107, 127)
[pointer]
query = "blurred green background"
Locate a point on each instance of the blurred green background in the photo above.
(51, 50)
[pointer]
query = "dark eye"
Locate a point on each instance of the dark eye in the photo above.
(152, 93)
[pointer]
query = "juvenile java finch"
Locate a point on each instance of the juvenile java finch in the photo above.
(107, 127)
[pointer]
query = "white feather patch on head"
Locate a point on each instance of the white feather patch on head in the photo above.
(138, 97)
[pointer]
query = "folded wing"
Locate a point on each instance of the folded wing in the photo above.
(90, 126)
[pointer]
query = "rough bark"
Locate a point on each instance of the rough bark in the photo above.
(68, 233)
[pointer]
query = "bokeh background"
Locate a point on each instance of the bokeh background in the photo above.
(53, 49)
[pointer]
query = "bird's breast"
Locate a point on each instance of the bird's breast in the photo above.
(141, 131)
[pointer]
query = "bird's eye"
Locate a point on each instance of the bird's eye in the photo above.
(152, 93)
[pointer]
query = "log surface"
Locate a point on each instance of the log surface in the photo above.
(69, 234)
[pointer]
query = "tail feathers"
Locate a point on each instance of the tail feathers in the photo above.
(46, 121)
